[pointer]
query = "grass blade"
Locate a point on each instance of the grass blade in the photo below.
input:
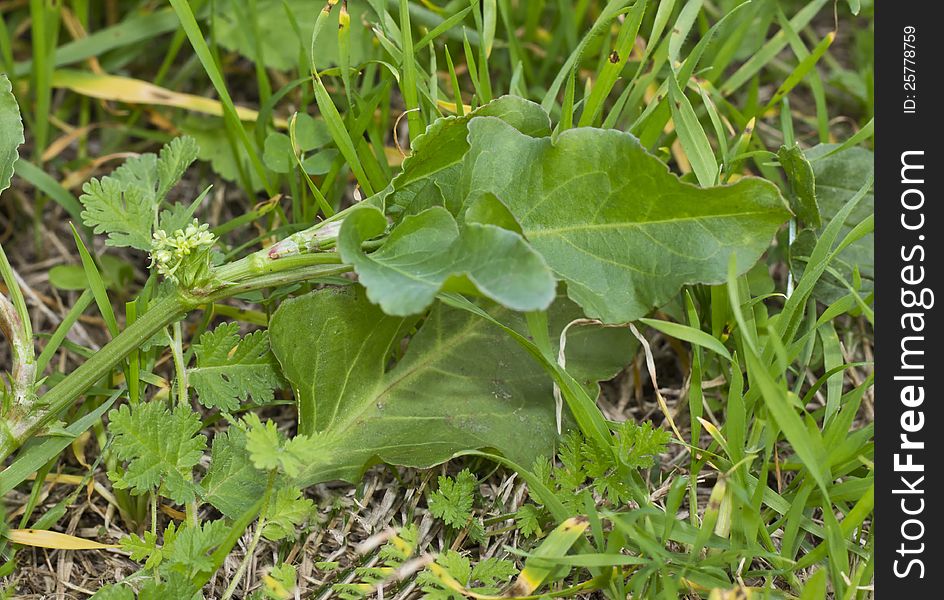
(190, 25)
(96, 284)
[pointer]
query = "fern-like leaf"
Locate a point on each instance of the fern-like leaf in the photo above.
(231, 370)
(268, 449)
(125, 214)
(453, 502)
(175, 157)
(161, 448)
(232, 483)
(125, 204)
(287, 510)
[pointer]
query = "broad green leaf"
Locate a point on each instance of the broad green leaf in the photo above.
(11, 132)
(115, 591)
(232, 483)
(838, 178)
(231, 370)
(612, 221)
(444, 143)
(802, 194)
(462, 384)
(489, 209)
(437, 154)
(161, 448)
(428, 251)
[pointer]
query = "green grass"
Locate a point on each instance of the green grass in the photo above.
(726, 445)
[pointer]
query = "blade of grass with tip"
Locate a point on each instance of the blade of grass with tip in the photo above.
(489, 23)
(442, 28)
(55, 340)
(607, 15)
(408, 78)
(614, 65)
(806, 446)
(689, 334)
(556, 545)
(344, 52)
(815, 80)
(770, 49)
(96, 284)
(340, 134)
(860, 136)
(456, 90)
(800, 72)
(190, 25)
(693, 137)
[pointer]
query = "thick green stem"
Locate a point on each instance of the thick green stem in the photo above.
(20, 426)
(177, 352)
(246, 275)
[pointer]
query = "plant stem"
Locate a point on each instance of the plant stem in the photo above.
(20, 426)
(231, 588)
(153, 512)
(250, 550)
(177, 350)
(249, 275)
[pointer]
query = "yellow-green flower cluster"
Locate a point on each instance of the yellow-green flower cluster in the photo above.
(170, 251)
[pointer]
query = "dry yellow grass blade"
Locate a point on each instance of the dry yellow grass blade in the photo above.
(62, 478)
(61, 143)
(275, 588)
(557, 544)
(453, 584)
(78, 177)
(394, 156)
(173, 512)
(78, 448)
(451, 106)
(135, 91)
(51, 539)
